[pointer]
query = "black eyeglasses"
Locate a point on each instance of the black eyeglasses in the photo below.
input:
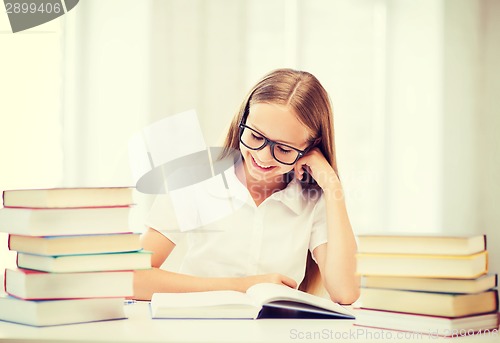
(282, 153)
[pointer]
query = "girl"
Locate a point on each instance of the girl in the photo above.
(295, 228)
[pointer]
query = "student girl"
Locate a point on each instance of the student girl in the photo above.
(294, 230)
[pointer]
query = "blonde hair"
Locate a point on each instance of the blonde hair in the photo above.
(303, 93)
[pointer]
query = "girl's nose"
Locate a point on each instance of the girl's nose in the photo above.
(264, 155)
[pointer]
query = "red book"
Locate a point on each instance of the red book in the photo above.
(430, 325)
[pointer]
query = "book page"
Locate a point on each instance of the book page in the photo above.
(201, 299)
(213, 304)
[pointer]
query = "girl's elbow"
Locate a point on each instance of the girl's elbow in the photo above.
(346, 297)
(349, 297)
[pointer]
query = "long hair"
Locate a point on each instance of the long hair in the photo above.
(304, 94)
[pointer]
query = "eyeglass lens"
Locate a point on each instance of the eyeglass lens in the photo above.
(255, 141)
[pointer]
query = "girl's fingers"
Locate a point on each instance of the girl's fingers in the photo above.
(289, 282)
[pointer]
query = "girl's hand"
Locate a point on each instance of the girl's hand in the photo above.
(319, 168)
(248, 281)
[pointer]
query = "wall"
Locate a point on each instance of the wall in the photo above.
(30, 121)
(487, 141)
(414, 85)
(471, 144)
(414, 120)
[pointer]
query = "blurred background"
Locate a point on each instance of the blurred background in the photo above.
(415, 87)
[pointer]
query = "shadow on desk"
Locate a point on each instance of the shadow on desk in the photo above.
(268, 312)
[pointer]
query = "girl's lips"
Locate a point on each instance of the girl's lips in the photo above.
(254, 163)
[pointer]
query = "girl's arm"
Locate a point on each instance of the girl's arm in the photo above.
(156, 280)
(336, 259)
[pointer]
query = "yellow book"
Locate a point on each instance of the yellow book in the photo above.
(419, 265)
(426, 284)
(421, 244)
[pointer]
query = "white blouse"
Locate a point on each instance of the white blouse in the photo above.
(248, 240)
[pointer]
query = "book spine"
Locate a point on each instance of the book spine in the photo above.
(69, 208)
(68, 298)
(487, 258)
(496, 300)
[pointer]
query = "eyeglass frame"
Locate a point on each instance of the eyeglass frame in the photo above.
(272, 143)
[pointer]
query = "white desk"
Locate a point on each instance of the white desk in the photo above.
(139, 327)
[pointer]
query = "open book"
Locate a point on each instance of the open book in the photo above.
(265, 300)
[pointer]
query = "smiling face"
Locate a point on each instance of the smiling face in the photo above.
(278, 123)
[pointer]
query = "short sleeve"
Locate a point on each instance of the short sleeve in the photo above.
(319, 230)
(162, 218)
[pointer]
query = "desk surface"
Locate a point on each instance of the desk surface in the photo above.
(139, 327)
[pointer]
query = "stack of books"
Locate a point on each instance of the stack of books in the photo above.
(76, 253)
(427, 284)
